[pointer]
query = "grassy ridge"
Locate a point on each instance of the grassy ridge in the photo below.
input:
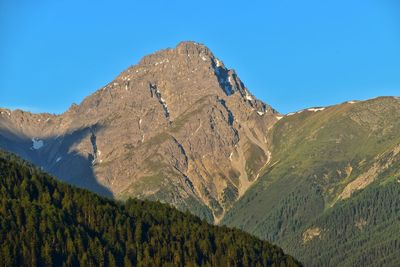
(315, 155)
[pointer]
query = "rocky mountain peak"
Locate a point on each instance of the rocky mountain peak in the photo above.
(179, 127)
(193, 48)
(188, 52)
(173, 79)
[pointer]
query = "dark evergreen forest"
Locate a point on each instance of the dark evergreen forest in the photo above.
(48, 223)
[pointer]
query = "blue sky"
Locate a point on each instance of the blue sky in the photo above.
(290, 54)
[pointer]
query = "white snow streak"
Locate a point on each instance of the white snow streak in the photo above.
(161, 62)
(248, 97)
(315, 109)
(37, 143)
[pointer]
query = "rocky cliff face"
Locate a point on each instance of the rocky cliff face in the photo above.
(178, 127)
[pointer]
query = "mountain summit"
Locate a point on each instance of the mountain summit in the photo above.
(178, 127)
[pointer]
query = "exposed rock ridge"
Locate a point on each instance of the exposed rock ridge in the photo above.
(173, 127)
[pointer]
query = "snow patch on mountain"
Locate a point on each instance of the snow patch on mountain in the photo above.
(315, 109)
(6, 112)
(37, 143)
(155, 92)
(161, 62)
(249, 97)
(218, 63)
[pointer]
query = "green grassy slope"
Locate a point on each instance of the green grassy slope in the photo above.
(315, 156)
(47, 223)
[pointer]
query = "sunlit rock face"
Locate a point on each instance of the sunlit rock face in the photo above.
(178, 127)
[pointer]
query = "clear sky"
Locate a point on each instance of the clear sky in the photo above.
(290, 54)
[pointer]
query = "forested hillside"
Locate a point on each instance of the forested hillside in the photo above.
(363, 231)
(45, 222)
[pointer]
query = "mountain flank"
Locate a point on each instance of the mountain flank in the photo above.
(330, 195)
(178, 127)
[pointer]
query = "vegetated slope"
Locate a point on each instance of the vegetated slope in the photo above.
(330, 194)
(48, 223)
(362, 231)
(178, 127)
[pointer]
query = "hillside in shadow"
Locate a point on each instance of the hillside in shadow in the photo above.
(58, 157)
